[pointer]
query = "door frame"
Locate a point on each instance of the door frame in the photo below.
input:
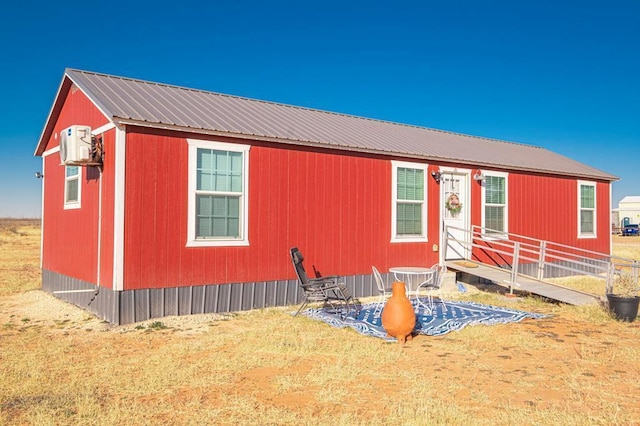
(466, 176)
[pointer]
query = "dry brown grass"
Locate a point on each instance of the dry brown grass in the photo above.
(628, 247)
(59, 365)
(19, 255)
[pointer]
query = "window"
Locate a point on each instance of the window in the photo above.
(408, 211)
(218, 180)
(494, 197)
(72, 187)
(587, 209)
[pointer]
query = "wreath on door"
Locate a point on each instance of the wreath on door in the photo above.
(453, 203)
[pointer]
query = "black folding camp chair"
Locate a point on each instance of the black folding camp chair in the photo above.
(326, 290)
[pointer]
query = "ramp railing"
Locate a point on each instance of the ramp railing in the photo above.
(537, 258)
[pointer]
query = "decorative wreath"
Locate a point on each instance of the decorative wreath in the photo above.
(453, 203)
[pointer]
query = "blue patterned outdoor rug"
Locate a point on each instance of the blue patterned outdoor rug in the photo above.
(435, 322)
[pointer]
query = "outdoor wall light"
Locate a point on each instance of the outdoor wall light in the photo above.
(436, 176)
(478, 176)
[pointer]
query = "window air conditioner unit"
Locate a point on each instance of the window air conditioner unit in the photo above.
(75, 145)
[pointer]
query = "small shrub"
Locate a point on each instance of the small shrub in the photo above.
(626, 285)
(157, 325)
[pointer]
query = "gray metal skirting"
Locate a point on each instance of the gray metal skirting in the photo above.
(129, 306)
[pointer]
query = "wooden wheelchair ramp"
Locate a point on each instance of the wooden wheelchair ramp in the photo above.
(523, 283)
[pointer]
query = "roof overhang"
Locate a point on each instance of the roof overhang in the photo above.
(387, 153)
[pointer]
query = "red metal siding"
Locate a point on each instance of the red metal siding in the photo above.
(547, 208)
(334, 207)
(156, 213)
(70, 237)
(476, 200)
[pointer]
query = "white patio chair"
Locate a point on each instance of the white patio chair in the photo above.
(383, 289)
(432, 285)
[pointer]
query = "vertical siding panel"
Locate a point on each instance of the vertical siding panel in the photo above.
(319, 200)
(375, 231)
(198, 263)
(355, 236)
(334, 212)
(148, 211)
(305, 210)
(274, 219)
(175, 217)
(186, 265)
(367, 216)
(308, 211)
(433, 217)
(346, 210)
(359, 218)
(293, 180)
(161, 236)
(258, 218)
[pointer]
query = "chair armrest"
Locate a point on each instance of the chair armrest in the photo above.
(331, 280)
(328, 277)
(320, 284)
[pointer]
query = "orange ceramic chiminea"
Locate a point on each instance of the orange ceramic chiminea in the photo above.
(398, 317)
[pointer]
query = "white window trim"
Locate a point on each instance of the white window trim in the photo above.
(394, 195)
(194, 144)
(70, 205)
(505, 232)
(594, 234)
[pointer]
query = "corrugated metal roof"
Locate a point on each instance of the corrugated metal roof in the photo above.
(155, 104)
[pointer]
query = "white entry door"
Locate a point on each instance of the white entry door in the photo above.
(454, 193)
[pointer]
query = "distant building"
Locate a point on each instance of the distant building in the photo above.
(628, 210)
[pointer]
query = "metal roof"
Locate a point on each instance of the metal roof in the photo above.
(131, 101)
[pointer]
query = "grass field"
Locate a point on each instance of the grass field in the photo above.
(62, 366)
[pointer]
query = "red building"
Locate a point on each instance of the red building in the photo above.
(191, 199)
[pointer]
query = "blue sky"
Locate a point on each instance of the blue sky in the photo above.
(559, 74)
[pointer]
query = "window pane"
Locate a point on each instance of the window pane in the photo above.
(204, 167)
(402, 184)
(494, 218)
(409, 219)
(587, 197)
(72, 191)
(495, 190)
(217, 216)
(410, 184)
(219, 227)
(586, 221)
(219, 170)
(72, 171)
(233, 209)
(203, 227)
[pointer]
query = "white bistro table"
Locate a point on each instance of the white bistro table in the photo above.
(413, 276)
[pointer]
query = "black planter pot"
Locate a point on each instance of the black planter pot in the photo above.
(624, 308)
